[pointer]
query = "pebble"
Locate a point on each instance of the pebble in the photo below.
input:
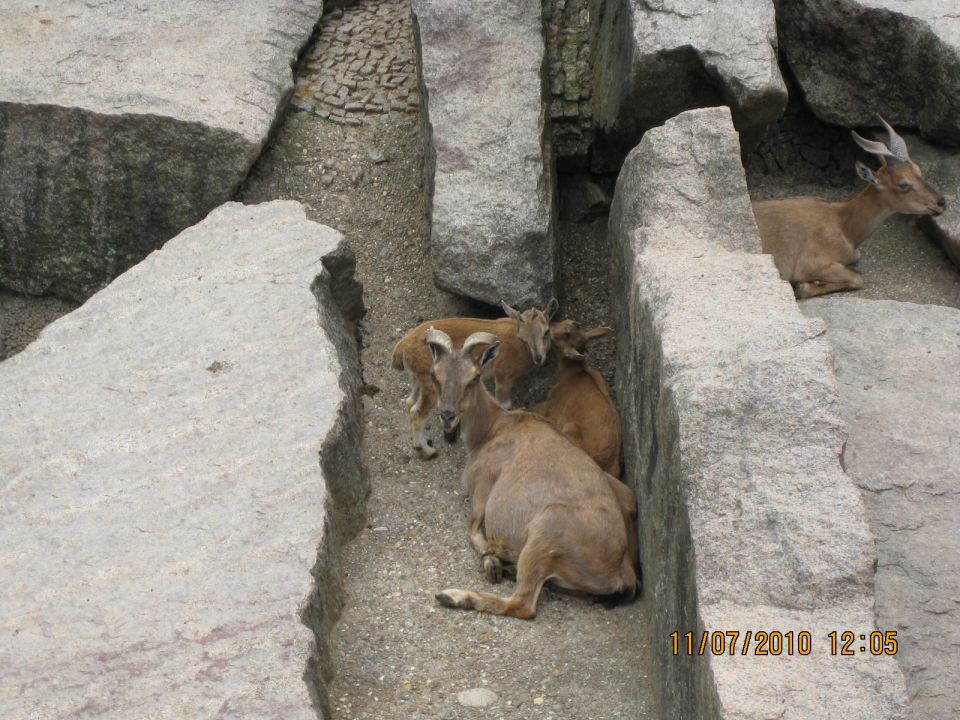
(477, 697)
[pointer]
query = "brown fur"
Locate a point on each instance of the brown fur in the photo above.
(579, 405)
(525, 341)
(814, 243)
(537, 500)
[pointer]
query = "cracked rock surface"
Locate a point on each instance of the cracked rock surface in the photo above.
(856, 58)
(653, 59)
(166, 520)
(897, 365)
(123, 122)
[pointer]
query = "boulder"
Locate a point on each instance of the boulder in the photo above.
(123, 122)
(945, 229)
(489, 164)
(856, 58)
(653, 59)
(732, 440)
(180, 463)
(898, 366)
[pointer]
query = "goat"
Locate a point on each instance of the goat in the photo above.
(537, 500)
(814, 242)
(579, 405)
(525, 338)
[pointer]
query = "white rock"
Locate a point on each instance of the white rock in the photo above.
(477, 697)
(165, 515)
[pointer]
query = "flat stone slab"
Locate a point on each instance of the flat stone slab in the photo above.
(654, 59)
(898, 366)
(489, 160)
(732, 440)
(167, 528)
(123, 122)
(856, 58)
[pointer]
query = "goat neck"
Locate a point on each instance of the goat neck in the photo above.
(863, 214)
(480, 417)
(568, 367)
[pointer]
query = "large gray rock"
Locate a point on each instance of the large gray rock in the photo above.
(898, 366)
(653, 59)
(732, 439)
(123, 122)
(489, 163)
(856, 58)
(169, 535)
(945, 229)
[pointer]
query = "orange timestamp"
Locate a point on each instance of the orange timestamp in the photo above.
(776, 642)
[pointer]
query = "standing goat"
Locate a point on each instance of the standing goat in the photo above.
(537, 500)
(525, 338)
(579, 405)
(814, 242)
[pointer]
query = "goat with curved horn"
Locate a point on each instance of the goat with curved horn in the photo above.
(815, 243)
(525, 342)
(536, 499)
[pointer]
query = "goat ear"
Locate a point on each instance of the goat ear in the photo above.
(436, 350)
(489, 354)
(597, 332)
(866, 173)
(509, 311)
(552, 308)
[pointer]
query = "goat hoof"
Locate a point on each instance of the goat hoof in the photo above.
(493, 569)
(453, 599)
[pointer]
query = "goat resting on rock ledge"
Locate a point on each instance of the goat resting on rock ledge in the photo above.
(814, 243)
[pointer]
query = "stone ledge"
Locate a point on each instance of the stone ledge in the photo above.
(113, 138)
(163, 501)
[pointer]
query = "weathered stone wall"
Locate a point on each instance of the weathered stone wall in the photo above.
(567, 33)
(180, 460)
(121, 123)
(732, 440)
(810, 149)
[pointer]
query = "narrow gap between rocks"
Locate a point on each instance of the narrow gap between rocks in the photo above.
(396, 652)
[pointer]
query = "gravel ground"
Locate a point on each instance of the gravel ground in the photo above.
(22, 318)
(400, 654)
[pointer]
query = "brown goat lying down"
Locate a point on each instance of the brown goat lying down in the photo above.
(537, 500)
(525, 339)
(579, 405)
(815, 243)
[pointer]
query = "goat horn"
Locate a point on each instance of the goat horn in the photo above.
(478, 338)
(898, 145)
(439, 338)
(872, 146)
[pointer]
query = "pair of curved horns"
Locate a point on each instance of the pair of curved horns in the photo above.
(442, 342)
(896, 147)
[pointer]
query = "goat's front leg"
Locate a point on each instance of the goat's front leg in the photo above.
(492, 567)
(831, 279)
